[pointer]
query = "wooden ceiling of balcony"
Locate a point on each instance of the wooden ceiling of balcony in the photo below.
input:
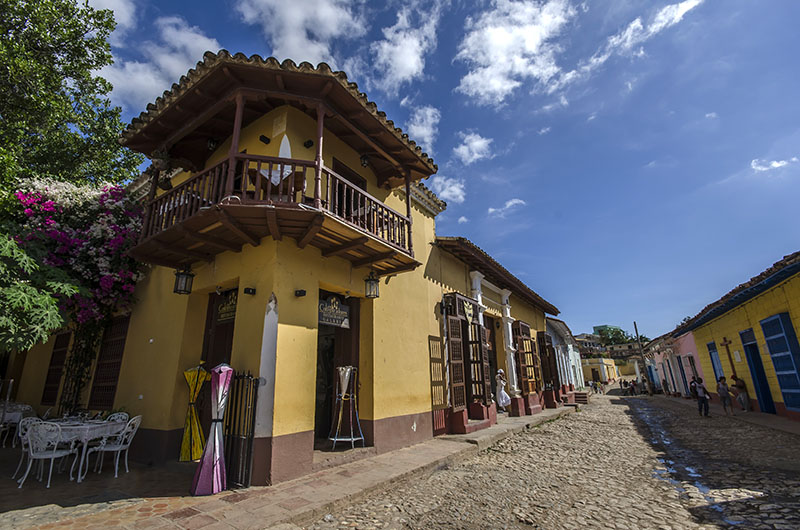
(202, 107)
(230, 227)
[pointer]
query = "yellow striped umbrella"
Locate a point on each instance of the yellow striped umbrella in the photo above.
(193, 440)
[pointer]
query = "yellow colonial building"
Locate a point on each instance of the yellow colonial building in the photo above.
(751, 332)
(289, 235)
(599, 369)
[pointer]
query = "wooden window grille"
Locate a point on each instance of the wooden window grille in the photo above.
(109, 362)
(58, 358)
(438, 379)
(528, 362)
(456, 351)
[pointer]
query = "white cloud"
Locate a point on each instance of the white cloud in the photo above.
(178, 47)
(400, 55)
(509, 44)
(449, 189)
(516, 43)
(462, 220)
(423, 126)
(473, 147)
(626, 42)
(768, 165)
(591, 116)
(711, 115)
(508, 206)
(124, 15)
(560, 104)
(304, 30)
(543, 130)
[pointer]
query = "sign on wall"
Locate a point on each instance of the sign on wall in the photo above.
(334, 313)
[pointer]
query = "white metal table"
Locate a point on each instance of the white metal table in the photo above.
(86, 431)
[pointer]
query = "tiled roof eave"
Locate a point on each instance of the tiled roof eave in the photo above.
(211, 61)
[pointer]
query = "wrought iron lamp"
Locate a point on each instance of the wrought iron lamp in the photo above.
(364, 160)
(183, 281)
(371, 285)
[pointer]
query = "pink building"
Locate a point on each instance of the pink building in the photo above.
(676, 362)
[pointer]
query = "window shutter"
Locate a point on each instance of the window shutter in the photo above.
(109, 361)
(456, 351)
(57, 359)
(527, 362)
(785, 353)
(438, 380)
(487, 372)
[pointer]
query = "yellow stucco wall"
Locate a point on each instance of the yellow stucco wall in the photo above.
(166, 330)
(782, 298)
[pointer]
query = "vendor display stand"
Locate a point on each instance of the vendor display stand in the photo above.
(346, 405)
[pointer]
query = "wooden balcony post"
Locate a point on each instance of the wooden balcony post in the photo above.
(318, 160)
(408, 212)
(148, 211)
(234, 150)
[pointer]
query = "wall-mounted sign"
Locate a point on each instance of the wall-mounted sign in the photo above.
(226, 310)
(334, 313)
(737, 356)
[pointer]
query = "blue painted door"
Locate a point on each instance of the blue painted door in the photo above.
(761, 389)
(785, 354)
(683, 377)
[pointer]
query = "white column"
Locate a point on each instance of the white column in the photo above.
(477, 293)
(508, 343)
(266, 372)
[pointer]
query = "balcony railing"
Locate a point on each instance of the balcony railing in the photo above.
(259, 180)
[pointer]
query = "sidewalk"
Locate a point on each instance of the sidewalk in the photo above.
(757, 418)
(299, 501)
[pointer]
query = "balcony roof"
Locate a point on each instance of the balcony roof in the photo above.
(476, 258)
(201, 106)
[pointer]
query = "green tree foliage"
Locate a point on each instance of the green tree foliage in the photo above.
(612, 336)
(55, 117)
(28, 307)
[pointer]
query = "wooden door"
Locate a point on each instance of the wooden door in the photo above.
(477, 364)
(438, 385)
(455, 349)
(220, 318)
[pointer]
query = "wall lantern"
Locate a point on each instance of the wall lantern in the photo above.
(165, 183)
(371, 284)
(364, 160)
(183, 281)
(212, 144)
(264, 139)
(308, 143)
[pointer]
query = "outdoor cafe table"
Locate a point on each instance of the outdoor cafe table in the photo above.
(84, 432)
(16, 411)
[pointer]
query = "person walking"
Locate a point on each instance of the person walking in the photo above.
(693, 387)
(503, 399)
(702, 396)
(741, 393)
(724, 395)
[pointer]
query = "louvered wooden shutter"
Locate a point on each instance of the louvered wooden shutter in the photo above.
(57, 359)
(438, 380)
(109, 361)
(455, 348)
(487, 371)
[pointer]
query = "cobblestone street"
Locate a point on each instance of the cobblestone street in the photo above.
(619, 463)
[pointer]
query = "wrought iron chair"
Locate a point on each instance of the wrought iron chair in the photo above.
(47, 413)
(26, 411)
(118, 416)
(43, 444)
(118, 444)
(22, 434)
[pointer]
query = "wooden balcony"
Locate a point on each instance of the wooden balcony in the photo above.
(245, 198)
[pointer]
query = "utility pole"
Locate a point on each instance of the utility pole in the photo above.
(644, 363)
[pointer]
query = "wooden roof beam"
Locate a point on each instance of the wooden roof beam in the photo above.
(374, 259)
(198, 120)
(345, 247)
(313, 229)
(231, 224)
(209, 240)
(183, 251)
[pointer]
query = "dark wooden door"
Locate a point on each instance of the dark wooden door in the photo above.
(217, 344)
(220, 318)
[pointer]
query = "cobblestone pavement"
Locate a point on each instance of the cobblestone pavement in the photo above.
(620, 463)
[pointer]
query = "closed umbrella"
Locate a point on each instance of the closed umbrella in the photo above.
(192, 443)
(210, 475)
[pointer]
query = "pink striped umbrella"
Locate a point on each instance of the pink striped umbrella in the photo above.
(210, 475)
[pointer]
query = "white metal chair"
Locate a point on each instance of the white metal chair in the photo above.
(43, 444)
(26, 411)
(22, 434)
(47, 413)
(118, 444)
(118, 416)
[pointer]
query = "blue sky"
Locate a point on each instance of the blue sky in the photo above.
(627, 159)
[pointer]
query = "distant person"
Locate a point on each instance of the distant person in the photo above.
(664, 386)
(693, 387)
(724, 395)
(703, 396)
(633, 387)
(741, 392)
(503, 399)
